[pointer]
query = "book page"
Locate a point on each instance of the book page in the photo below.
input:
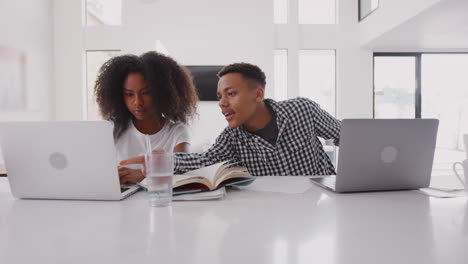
(208, 172)
(229, 173)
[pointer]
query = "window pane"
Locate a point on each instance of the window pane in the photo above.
(103, 12)
(281, 74)
(316, 11)
(280, 9)
(445, 96)
(317, 77)
(374, 4)
(394, 87)
(12, 79)
(367, 6)
(94, 61)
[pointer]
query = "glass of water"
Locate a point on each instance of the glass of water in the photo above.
(159, 168)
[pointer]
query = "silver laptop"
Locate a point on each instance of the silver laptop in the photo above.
(62, 160)
(383, 154)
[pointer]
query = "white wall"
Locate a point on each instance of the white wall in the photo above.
(354, 67)
(26, 26)
(442, 27)
(204, 32)
(389, 15)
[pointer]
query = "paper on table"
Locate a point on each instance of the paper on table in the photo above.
(210, 195)
(442, 192)
(204, 195)
(2, 169)
(4, 186)
(280, 184)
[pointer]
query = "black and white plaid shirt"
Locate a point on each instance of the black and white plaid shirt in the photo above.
(298, 150)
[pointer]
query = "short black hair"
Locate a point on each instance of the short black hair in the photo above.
(247, 70)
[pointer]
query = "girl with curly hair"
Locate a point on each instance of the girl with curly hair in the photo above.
(151, 95)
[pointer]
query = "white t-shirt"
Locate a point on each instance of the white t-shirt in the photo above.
(132, 142)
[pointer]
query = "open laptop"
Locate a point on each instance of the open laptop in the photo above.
(383, 154)
(62, 160)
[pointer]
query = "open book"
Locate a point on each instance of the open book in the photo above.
(210, 178)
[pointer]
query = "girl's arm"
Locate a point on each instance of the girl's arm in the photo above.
(182, 147)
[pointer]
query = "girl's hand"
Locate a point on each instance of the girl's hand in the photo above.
(127, 175)
(138, 160)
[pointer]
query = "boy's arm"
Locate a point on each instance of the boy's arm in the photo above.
(221, 150)
(326, 126)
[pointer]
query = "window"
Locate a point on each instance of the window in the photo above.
(281, 74)
(445, 96)
(94, 60)
(12, 79)
(103, 12)
(394, 86)
(366, 7)
(280, 8)
(317, 77)
(316, 11)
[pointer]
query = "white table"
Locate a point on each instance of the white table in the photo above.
(248, 226)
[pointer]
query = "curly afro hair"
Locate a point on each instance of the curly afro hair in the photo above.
(171, 87)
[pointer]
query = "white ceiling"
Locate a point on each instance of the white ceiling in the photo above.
(440, 28)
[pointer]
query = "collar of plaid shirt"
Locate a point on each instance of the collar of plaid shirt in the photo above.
(281, 121)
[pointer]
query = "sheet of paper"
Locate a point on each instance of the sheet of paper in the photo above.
(212, 195)
(4, 185)
(280, 184)
(2, 169)
(176, 178)
(442, 192)
(209, 195)
(448, 182)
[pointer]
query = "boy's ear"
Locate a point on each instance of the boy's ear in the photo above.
(260, 94)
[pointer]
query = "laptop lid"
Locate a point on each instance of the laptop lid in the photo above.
(385, 154)
(61, 160)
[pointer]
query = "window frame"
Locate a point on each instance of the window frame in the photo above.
(368, 14)
(417, 92)
(418, 79)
